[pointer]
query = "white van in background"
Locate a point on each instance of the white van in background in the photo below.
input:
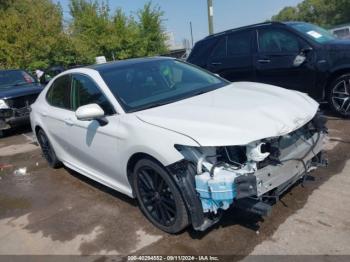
(341, 31)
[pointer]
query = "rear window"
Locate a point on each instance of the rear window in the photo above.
(15, 78)
(59, 92)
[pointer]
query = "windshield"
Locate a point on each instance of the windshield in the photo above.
(153, 83)
(14, 78)
(317, 33)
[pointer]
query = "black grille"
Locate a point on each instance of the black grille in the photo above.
(20, 102)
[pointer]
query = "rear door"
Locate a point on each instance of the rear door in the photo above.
(232, 56)
(276, 59)
(54, 116)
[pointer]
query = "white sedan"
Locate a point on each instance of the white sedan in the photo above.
(186, 143)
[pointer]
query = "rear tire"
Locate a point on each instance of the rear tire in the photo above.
(2, 133)
(47, 150)
(339, 95)
(158, 197)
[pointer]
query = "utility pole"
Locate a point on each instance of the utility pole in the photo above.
(191, 34)
(210, 16)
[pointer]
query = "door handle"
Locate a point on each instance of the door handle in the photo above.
(264, 61)
(216, 63)
(68, 122)
(44, 114)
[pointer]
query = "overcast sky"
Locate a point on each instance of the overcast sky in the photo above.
(227, 13)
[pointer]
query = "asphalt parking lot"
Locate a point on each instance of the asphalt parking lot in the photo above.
(46, 211)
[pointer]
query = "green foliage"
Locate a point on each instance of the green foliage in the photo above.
(32, 34)
(95, 32)
(322, 12)
(29, 33)
(150, 30)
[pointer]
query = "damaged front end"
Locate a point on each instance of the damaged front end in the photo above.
(251, 176)
(15, 111)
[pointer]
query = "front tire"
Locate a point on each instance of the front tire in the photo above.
(47, 150)
(339, 95)
(158, 197)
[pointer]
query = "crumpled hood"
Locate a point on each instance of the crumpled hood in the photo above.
(17, 91)
(236, 114)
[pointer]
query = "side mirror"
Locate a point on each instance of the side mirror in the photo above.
(89, 112)
(301, 57)
(299, 60)
(306, 50)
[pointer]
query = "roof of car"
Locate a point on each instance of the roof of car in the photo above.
(126, 62)
(250, 27)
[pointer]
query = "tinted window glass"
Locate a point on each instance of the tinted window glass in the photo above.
(152, 83)
(13, 78)
(314, 32)
(220, 48)
(86, 92)
(239, 43)
(277, 40)
(342, 33)
(199, 53)
(59, 93)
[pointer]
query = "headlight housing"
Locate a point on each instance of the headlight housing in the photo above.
(3, 104)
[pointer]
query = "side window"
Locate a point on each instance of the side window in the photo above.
(199, 53)
(85, 91)
(277, 41)
(59, 93)
(220, 48)
(239, 43)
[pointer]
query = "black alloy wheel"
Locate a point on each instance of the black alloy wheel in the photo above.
(47, 150)
(158, 197)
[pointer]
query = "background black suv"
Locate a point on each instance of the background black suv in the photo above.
(294, 55)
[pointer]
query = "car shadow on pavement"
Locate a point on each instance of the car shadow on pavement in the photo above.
(102, 187)
(15, 131)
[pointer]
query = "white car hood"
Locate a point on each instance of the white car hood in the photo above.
(236, 114)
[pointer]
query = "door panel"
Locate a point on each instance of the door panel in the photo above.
(94, 148)
(232, 57)
(58, 98)
(56, 130)
(94, 145)
(276, 63)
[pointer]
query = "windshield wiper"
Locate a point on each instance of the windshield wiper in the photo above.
(154, 105)
(201, 92)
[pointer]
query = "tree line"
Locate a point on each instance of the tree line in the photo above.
(326, 13)
(34, 33)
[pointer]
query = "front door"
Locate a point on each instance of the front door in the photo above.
(94, 146)
(284, 59)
